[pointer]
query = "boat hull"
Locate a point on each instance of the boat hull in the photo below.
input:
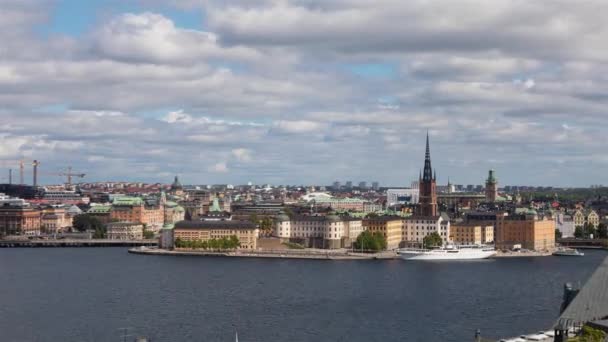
(447, 254)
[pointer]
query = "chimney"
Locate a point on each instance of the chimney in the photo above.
(35, 164)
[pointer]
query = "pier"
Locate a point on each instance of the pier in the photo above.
(75, 243)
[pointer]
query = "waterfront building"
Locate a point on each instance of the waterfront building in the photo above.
(565, 224)
(173, 212)
(416, 228)
(527, 230)
(245, 231)
(135, 209)
(125, 231)
(353, 204)
(165, 237)
(389, 226)
(318, 231)
(402, 196)
(491, 187)
(587, 216)
(19, 219)
(471, 234)
(54, 220)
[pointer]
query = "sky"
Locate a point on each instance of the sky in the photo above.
(305, 91)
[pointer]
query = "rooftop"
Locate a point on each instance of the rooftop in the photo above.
(215, 225)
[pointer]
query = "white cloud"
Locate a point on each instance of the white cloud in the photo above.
(242, 154)
(220, 167)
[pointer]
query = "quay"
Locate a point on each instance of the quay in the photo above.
(75, 243)
(277, 254)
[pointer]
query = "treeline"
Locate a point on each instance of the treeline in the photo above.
(224, 243)
(588, 230)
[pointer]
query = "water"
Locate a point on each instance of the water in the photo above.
(88, 294)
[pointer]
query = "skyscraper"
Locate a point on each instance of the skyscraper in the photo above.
(428, 186)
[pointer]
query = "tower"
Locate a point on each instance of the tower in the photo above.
(427, 186)
(491, 187)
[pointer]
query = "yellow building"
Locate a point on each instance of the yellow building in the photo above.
(582, 217)
(245, 231)
(390, 226)
(471, 234)
(526, 230)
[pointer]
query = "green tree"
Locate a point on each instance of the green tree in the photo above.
(589, 230)
(86, 222)
(148, 234)
(432, 240)
(234, 242)
(558, 234)
(602, 231)
(368, 241)
(179, 243)
(579, 233)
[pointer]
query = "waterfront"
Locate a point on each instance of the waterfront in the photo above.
(88, 294)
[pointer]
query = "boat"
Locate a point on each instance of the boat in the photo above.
(562, 251)
(449, 252)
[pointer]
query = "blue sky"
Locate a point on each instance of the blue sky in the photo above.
(305, 92)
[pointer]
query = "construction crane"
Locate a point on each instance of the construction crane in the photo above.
(21, 162)
(69, 174)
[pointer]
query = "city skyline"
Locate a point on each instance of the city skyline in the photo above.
(143, 90)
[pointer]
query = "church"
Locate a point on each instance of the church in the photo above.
(426, 219)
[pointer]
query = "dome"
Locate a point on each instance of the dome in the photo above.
(176, 184)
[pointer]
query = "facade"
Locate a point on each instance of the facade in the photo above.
(491, 187)
(173, 213)
(54, 220)
(22, 219)
(565, 224)
(176, 188)
(589, 216)
(134, 209)
(329, 231)
(353, 204)
(101, 212)
(125, 231)
(165, 237)
(526, 230)
(402, 196)
(427, 206)
(246, 232)
(416, 228)
(389, 226)
(471, 234)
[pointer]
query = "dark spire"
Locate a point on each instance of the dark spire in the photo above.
(428, 170)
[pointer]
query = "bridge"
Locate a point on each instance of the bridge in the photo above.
(76, 243)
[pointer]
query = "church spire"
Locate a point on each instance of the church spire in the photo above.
(428, 170)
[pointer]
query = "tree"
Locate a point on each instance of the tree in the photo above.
(589, 230)
(558, 234)
(86, 222)
(368, 241)
(432, 240)
(148, 234)
(579, 233)
(602, 231)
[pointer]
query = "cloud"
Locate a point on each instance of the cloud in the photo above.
(242, 154)
(220, 167)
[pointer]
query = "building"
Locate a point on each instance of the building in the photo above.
(125, 231)
(173, 213)
(416, 228)
(402, 196)
(375, 186)
(427, 205)
(491, 187)
(352, 204)
(389, 226)
(176, 188)
(19, 220)
(526, 230)
(165, 237)
(246, 232)
(318, 231)
(565, 224)
(471, 234)
(135, 209)
(54, 220)
(588, 216)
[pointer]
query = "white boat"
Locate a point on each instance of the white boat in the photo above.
(449, 252)
(568, 252)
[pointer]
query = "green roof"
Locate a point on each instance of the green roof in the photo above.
(215, 207)
(128, 201)
(99, 209)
